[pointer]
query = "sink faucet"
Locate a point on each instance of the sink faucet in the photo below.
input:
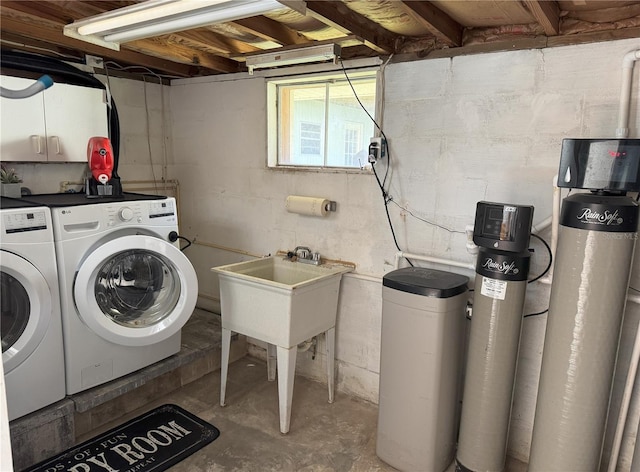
(305, 255)
(305, 252)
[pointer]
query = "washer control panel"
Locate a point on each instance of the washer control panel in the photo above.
(21, 222)
(154, 213)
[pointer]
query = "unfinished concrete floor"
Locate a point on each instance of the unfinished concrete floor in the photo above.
(324, 437)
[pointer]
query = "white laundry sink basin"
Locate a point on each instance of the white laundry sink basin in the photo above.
(279, 301)
(282, 303)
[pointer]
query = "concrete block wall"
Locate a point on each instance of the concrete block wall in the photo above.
(484, 127)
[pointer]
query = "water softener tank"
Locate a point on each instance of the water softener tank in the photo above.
(423, 316)
(591, 274)
(502, 232)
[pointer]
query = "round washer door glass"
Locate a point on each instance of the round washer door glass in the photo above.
(26, 303)
(15, 310)
(137, 288)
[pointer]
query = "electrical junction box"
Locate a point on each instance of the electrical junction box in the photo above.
(503, 226)
(600, 164)
(377, 149)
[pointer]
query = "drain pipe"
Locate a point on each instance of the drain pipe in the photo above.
(38, 86)
(628, 62)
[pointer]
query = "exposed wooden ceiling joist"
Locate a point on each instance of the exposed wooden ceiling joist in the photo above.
(208, 40)
(547, 14)
(337, 15)
(164, 47)
(271, 30)
(441, 25)
(408, 29)
(54, 36)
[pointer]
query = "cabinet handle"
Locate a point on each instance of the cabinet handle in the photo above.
(55, 140)
(36, 144)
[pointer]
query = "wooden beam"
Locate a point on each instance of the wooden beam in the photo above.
(594, 37)
(14, 41)
(163, 47)
(45, 33)
(339, 16)
(208, 40)
(441, 25)
(546, 13)
(271, 30)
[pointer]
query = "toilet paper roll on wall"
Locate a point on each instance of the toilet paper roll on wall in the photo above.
(308, 205)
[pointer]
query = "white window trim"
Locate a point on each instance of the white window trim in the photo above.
(272, 118)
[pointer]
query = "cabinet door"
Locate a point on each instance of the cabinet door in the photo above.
(73, 115)
(22, 128)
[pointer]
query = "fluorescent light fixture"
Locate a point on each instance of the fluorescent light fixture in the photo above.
(288, 57)
(157, 17)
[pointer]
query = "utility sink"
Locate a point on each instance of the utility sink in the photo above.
(279, 301)
(283, 303)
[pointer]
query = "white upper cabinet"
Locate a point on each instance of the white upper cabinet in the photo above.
(51, 126)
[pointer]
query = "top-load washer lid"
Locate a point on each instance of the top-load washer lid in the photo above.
(53, 200)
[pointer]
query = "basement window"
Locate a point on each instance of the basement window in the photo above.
(318, 122)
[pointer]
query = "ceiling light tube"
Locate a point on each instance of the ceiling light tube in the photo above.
(150, 11)
(157, 17)
(217, 14)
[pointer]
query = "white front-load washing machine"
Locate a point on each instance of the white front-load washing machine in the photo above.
(32, 352)
(126, 288)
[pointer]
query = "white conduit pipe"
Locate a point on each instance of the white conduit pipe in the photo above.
(555, 222)
(628, 62)
(434, 260)
(544, 224)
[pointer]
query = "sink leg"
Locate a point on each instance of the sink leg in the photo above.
(224, 366)
(271, 362)
(330, 345)
(286, 375)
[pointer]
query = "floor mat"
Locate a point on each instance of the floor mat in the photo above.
(153, 441)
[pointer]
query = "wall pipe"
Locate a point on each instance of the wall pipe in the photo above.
(555, 222)
(628, 62)
(434, 260)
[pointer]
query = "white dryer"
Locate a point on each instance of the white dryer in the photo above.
(126, 288)
(32, 353)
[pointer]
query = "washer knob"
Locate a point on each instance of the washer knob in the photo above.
(125, 214)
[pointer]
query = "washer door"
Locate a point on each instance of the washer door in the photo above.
(135, 290)
(25, 300)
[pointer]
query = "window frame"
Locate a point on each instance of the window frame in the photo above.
(273, 116)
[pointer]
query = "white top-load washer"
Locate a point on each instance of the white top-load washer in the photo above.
(126, 288)
(32, 353)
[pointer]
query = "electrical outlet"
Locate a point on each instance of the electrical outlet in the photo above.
(94, 61)
(378, 147)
